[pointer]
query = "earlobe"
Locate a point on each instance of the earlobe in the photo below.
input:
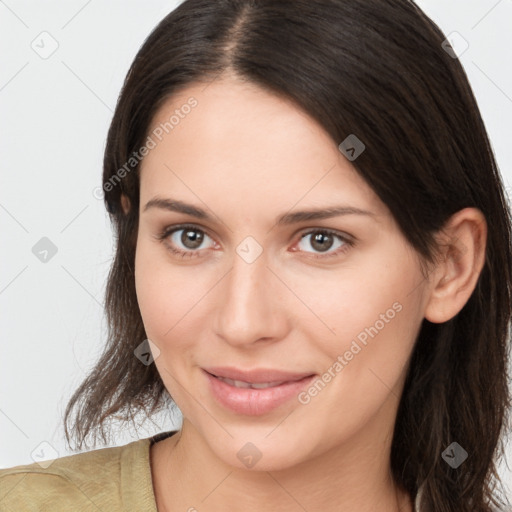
(462, 257)
(125, 203)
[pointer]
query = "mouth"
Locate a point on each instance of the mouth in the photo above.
(256, 375)
(256, 392)
(249, 385)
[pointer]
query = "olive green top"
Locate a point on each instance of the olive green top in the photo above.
(107, 479)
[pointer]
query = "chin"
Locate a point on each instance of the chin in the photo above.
(253, 449)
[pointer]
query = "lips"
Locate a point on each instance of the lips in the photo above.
(255, 392)
(256, 376)
(252, 385)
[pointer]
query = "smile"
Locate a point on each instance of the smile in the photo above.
(254, 398)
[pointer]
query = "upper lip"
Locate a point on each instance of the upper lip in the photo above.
(256, 376)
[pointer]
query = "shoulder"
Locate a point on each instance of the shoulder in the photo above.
(84, 481)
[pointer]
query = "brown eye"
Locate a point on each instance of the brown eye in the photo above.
(184, 241)
(191, 238)
(322, 240)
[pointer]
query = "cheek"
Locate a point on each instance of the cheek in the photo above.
(348, 301)
(165, 302)
(149, 290)
(166, 293)
(373, 314)
(375, 319)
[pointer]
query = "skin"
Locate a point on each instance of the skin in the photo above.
(247, 156)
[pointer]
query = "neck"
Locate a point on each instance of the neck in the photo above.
(353, 478)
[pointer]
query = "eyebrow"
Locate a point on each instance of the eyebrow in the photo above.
(174, 205)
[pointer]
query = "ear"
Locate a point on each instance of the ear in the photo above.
(125, 203)
(461, 259)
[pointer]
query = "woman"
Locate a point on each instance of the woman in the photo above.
(313, 263)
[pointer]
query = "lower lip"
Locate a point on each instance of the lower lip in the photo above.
(254, 402)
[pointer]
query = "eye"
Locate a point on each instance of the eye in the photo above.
(324, 240)
(185, 240)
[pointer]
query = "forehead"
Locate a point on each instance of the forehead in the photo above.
(239, 139)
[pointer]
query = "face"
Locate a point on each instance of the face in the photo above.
(249, 285)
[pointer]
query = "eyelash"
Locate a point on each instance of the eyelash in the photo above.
(162, 237)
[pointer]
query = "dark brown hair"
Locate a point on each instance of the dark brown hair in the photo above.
(376, 69)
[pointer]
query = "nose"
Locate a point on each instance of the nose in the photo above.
(251, 305)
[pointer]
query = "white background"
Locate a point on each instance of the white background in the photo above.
(54, 117)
